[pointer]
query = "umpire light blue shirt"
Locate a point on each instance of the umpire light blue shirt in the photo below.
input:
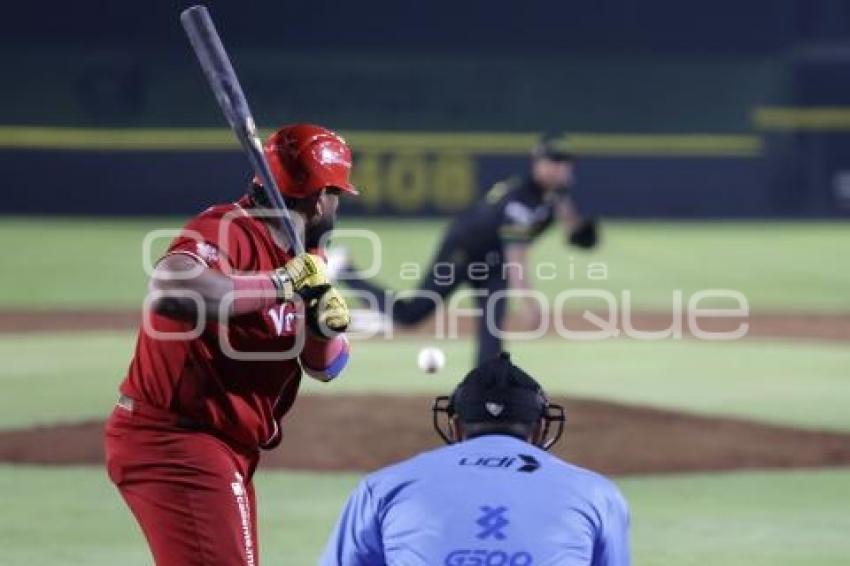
(489, 501)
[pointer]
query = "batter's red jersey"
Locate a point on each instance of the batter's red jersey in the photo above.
(195, 378)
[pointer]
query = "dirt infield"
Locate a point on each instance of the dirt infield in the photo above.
(364, 432)
(788, 325)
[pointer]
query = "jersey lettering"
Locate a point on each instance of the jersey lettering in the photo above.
(283, 319)
(525, 463)
(482, 557)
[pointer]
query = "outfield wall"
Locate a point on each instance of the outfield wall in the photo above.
(388, 90)
(178, 172)
(128, 131)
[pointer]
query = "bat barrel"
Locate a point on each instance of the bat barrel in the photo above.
(222, 79)
(214, 61)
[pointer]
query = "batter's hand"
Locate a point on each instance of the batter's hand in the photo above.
(301, 273)
(327, 314)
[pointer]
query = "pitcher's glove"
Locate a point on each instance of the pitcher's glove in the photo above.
(585, 235)
(299, 275)
(327, 311)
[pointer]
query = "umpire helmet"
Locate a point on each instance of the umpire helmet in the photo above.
(499, 392)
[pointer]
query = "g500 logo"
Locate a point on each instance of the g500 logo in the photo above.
(481, 557)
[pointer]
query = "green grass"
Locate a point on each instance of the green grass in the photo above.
(60, 377)
(756, 518)
(67, 377)
(73, 263)
(753, 519)
(82, 263)
(777, 266)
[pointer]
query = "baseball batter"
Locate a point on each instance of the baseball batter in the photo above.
(487, 247)
(494, 497)
(232, 322)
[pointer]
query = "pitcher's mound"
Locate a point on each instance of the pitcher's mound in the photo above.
(364, 432)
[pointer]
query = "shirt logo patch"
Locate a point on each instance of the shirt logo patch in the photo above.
(529, 464)
(519, 213)
(519, 463)
(330, 155)
(492, 522)
(207, 252)
(495, 409)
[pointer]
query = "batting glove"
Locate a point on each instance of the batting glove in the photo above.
(328, 315)
(303, 272)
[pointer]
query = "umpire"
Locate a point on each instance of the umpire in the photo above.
(494, 496)
(487, 246)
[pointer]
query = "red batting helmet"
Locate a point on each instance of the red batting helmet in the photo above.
(305, 159)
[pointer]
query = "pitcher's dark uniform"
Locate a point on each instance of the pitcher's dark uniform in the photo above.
(513, 211)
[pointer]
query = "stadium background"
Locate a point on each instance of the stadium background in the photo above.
(714, 144)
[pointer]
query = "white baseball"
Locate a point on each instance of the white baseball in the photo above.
(431, 359)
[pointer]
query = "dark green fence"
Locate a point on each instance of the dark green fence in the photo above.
(382, 91)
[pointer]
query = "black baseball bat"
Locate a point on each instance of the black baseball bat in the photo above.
(225, 84)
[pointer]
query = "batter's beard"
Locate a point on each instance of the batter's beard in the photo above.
(316, 230)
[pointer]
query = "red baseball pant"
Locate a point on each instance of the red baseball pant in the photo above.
(190, 492)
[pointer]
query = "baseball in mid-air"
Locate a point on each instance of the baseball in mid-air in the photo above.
(431, 359)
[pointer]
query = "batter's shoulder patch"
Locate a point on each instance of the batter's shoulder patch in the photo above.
(207, 252)
(501, 188)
